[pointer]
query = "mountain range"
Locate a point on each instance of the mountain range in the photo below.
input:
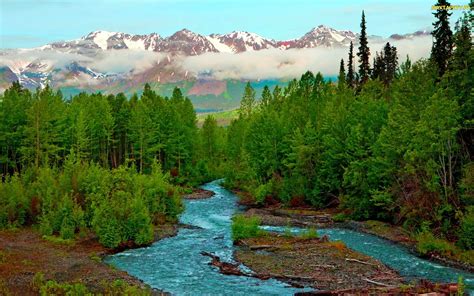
(81, 64)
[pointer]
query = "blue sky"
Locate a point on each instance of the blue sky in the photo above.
(30, 23)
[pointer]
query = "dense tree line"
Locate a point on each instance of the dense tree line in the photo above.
(107, 163)
(392, 143)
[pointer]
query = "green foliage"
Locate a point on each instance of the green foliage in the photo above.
(55, 288)
(245, 227)
(14, 203)
(427, 244)
(309, 233)
(466, 229)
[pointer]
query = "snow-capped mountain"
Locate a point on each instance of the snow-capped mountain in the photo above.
(240, 41)
(116, 40)
(150, 58)
(190, 43)
(325, 36)
(185, 42)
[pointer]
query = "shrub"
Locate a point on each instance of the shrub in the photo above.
(427, 243)
(309, 233)
(55, 288)
(14, 203)
(466, 230)
(107, 227)
(261, 193)
(341, 217)
(120, 287)
(245, 227)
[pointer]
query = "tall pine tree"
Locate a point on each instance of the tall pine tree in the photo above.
(442, 34)
(248, 101)
(341, 80)
(350, 66)
(364, 53)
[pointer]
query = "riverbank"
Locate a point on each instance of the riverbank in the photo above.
(326, 266)
(26, 256)
(328, 218)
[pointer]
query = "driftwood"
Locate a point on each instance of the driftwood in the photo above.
(233, 269)
(359, 261)
(224, 267)
(376, 283)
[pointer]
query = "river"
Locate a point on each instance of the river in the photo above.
(175, 264)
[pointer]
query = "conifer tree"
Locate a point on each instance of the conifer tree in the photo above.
(364, 53)
(442, 34)
(248, 101)
(378, 71)
(342, 75)
(350, 66)
(390, 62)
(266, 96)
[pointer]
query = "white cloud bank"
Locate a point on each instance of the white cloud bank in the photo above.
(274, 63)
(263, 64)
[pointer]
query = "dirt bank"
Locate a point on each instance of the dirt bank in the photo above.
(25, 253)
(326, 266)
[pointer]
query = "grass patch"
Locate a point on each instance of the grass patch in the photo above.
(58, 240)
(245, 227)
(95, 257)
(309, 233)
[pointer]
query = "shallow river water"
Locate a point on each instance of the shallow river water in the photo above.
(175, 264)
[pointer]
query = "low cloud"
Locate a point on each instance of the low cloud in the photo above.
(113, 61)
(274, 63)
(263, 64)
(120, 61)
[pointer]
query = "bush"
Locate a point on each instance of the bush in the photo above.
(427, 244)
(261, 192)
(466, 230)
(14, 203)
(245, 227)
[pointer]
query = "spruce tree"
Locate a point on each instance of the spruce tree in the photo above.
(378, 71)
(248, 101)
(390, 61)
(266, 96)
(442, 34)
(342, 75)
(350, 66)
(364, 53)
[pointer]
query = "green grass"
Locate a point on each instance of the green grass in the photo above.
(309, 233)
(58, 240)
(245, 227)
